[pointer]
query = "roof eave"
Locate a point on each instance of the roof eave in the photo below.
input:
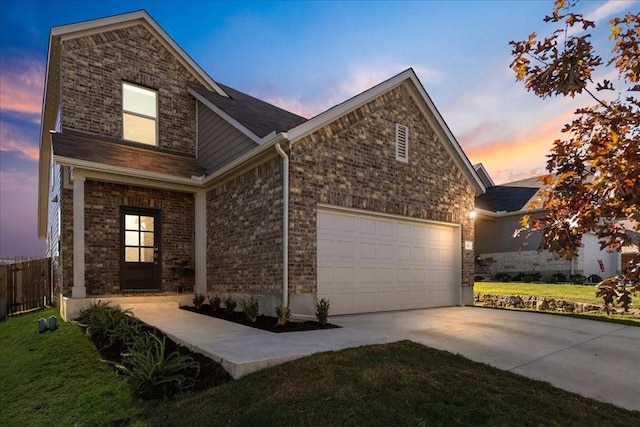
(127, 172)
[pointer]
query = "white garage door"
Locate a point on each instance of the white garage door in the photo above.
(368, 263)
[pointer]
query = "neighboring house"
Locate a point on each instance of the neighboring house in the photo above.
(499, 211)
(146, 162)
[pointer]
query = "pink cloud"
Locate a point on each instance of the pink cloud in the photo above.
(21, 86)
(518, 156)
(14, 140)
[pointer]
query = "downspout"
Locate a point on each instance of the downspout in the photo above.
(285, 225)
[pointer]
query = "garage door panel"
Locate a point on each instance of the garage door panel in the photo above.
(369, 264)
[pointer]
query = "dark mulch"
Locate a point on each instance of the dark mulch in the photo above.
(211, 373)
(266, 323)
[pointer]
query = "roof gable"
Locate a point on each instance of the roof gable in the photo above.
(430, 112)
(82, 29)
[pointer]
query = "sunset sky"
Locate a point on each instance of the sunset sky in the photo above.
(307, 57)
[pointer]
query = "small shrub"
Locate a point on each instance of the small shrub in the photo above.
(250, 308)
(215, 303)
(558, 277)
(322, 311)
(283, 314)
(230, 305)
(478, 278)
(503, 277)
(594, 278)
(527, 278)
(198, 300)
(518, 277)
(536, 276)
(151, 373)
(578, 279)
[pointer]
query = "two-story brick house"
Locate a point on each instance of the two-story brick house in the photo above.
(145, 162)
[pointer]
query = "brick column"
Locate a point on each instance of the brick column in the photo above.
(78, 290)
(201, 242)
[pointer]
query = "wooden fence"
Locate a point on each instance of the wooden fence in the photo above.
(24, 286)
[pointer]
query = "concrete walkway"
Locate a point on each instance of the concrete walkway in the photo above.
(595, 359)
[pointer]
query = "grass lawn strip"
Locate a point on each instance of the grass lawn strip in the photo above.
(575, 293)
(57, 378)
(393, 384)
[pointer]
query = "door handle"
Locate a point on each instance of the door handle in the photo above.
(155, 255)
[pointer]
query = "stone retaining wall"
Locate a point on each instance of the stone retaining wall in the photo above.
(528, 302)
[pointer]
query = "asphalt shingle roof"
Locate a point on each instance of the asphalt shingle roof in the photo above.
(92, 148)
(258, 116)
(504, 198)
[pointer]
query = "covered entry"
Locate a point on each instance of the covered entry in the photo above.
(368, 262)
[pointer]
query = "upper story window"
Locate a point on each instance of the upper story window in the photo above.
(402, 143)
(139, 114)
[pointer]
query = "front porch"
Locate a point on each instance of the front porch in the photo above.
(70, 307)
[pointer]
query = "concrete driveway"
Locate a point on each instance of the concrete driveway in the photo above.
(595, 359)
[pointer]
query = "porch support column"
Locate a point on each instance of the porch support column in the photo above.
(78, 290)
(201, 242)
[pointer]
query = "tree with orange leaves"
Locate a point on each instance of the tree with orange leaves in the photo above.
(593, 182)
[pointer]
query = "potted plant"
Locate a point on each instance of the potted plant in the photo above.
(183, 271)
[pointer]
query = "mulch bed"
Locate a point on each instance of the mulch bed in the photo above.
(266, 323)
(211, 373)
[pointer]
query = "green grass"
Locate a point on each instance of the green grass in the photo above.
(577, 293)
(57, 378)
(393, 384)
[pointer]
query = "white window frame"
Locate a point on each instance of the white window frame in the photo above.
(135, 113)
(402, 143)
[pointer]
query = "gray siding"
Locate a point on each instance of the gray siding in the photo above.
(496, 235)
(218, 142)
(53, 228)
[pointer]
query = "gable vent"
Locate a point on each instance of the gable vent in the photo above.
(402, 143)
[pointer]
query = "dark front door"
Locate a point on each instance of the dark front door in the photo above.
(140, 250)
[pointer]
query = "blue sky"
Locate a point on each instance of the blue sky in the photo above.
(307, 57)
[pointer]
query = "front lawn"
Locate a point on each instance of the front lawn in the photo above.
(402, 383)
(56, 378)
(577, 293)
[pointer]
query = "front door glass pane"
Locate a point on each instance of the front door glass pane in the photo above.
(131, 255)
(146, 223)
(131, 238)
(139, 239)
(131, 222)
(147, 238)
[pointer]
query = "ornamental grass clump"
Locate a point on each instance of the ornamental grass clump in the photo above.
(230, 305)
(152, 374)
(109, 326)
(322, 311)
(250, 308)
(283, 313)
(198, 300)
(215, 303)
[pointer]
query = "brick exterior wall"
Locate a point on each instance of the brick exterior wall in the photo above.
(244, 232)
(351, 163)
(103, 232)
(93, 69)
